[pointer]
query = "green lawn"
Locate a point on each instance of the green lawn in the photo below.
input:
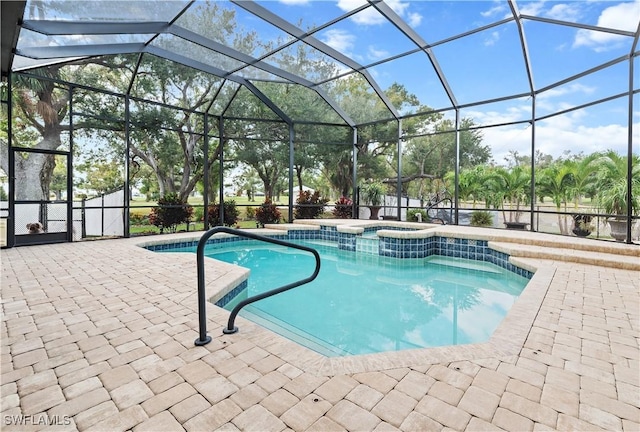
(142, 208)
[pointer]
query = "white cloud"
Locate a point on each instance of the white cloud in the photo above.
(623, 16)
(340, 40)
(376, 54)
(557, 134)
(532, 8)
(555, 100)
(492, 38)
(511, 114)
(598, 41)
(295, 2)
(497, 9)
(566, 89)
(414, 19)
(574, 130)
(371, 16)
(565, 12)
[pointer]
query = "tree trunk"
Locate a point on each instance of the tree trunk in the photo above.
(299, 176)
(268, 189)
(33, 177)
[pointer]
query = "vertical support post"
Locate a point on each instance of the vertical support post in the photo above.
(102, 215)
(456, 193)
(84, 218)
(205, 151)
(399, 179)
(291, 163)
(11, 220)
(533, 163)
(70, 171)
(221, 175)
(354, 199)
(629, 214)
(127, 166)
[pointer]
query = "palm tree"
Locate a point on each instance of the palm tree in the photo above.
(583, 173)
(612, 189)
(471, 185)
(556, 182)
(40, 106)
(513, 185)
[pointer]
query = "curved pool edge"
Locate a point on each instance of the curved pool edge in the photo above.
(507, 341)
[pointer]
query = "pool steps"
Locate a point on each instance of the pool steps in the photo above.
(368, 245)
(521, 244)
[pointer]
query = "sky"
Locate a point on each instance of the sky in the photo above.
(489, 64)
(480, 66)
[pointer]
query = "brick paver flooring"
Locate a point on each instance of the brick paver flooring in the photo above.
(99, 336)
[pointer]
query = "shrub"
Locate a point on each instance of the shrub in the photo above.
(198, 214)
(309, 205)
(250, 213)
(170, 212)
(481, 218)
(343, 208)
(411, 215)
(267, 213)
(373, 193)
(231, 214)
(139, 219)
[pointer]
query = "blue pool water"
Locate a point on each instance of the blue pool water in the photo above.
(362, 303)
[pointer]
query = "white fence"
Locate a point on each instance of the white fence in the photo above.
(100, 219)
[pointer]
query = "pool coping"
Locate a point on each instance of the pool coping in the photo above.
(507, 340)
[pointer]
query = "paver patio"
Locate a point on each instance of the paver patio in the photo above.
(99, 336)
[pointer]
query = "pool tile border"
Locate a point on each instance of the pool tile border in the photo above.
(507, 339)
(403, 248)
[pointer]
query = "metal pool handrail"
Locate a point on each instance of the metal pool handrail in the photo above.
(433, 204)
(202, 311)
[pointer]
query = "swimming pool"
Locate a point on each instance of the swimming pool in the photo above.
(364, 303)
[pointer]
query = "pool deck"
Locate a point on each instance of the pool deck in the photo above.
(100, 336)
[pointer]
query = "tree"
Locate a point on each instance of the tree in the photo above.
(169, 140)
(267, 157)
(471, 184)
(271, 139)
(432, 156)
(556, 182)
(41, 106)
(512, 185)
(58, 183)
(583, 173)
(102, 176)
(612, 183)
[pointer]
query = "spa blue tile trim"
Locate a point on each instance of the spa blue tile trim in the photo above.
(347, 242)
(477, 250)
(231, 294)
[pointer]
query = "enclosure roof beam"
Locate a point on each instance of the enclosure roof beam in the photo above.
(252, 61)
(65, 51)
(294, 31)
(523, 44)
(52, 27)
(578, 25)
(11, 13)
(414, 37)
(267, 101)
(219, 72)
(62, 28)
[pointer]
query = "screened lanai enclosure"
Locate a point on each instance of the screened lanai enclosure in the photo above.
(130, 117)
